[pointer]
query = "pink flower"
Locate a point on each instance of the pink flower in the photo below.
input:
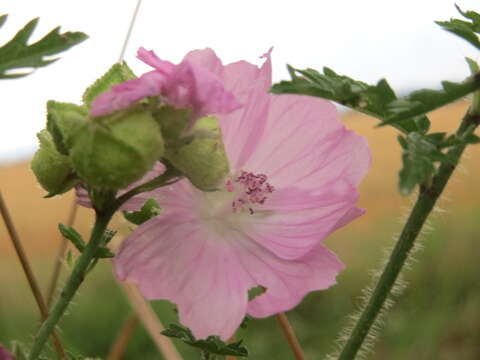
(294, 173)
(4, 354)
(189, 84)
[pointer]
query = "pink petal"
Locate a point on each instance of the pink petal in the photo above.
(125, 94)
(150, 58)
(297, 220)
(192, 86)
(208, 274)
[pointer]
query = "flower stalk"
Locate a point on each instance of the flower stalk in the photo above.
(73, 283)
(428, 196)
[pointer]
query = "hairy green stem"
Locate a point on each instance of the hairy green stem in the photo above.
(73, 283)
(424, 205)
(106, 205)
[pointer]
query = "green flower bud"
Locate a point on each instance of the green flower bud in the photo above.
(172, 121)
(52, 169)
(113, 151)
(201, 156)
(63, 122)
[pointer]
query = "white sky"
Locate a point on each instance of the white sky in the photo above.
(366, 40)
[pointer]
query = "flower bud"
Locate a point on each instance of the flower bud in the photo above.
(201, 156)
(63, 121)
(52, 169)
(112, 152)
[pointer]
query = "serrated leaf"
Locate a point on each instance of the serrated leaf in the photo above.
(372, 100)
(419, 156)
(149, 209)
(17, 54)
(212, 344)
(72, 235)
(118, 73)
(423, 101)
(467, 30)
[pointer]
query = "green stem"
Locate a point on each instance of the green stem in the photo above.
(73, 283)
(106, 206)
(424, 205)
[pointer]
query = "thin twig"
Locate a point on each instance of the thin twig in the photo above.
(151, 322)
(60, 255)
(124, 335)
(22, 256)
(289, 333)
(129, 32)
(231, 357)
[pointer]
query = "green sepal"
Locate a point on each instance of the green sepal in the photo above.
(149, 210)
(172, 120)
(212, 344)
(117, 150)
(63, 122)
(118, 73)
(17, 54)
(52, 169)
(201, 157)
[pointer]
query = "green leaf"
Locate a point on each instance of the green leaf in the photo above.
(72, 235)
(149, 209)
(18, 54)
(256, 291)
(212, 344)
(419, 155)
(3, 18)
(104, 253)
(467, 30)
(118, 73)
(372, 100)
(423, 101)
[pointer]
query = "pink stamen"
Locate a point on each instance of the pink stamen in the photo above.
(255, 190)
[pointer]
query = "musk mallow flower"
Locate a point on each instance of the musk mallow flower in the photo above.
(294, 169)
(187, 85)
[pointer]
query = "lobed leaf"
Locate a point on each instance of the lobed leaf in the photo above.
(212, 344)
(372, 100)
(149, 210)
(17, 53)
(467, 30)
(71, 234)
(420, 152)
(423, 101)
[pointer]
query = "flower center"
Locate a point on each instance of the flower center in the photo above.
(249, 189)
